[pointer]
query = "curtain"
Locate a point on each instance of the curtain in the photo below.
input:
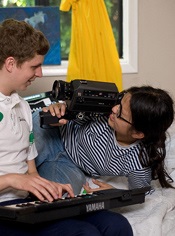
(93, 53)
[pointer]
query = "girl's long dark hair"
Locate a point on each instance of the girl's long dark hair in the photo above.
(153, 113)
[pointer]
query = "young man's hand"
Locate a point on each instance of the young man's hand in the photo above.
(42, 188)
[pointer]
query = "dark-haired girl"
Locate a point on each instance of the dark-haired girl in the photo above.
(130, 142)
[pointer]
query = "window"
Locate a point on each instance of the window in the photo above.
(123, 16)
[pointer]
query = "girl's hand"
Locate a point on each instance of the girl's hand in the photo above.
(101, 186)
(57, 109)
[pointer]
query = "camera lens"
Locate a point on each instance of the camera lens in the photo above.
(61, 90)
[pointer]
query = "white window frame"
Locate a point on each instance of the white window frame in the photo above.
(129, 62)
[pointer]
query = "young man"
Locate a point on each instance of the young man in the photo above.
(22, 50)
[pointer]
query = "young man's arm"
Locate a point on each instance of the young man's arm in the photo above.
(45, 188)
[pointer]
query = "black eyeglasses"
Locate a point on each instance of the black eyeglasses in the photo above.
(118, 103)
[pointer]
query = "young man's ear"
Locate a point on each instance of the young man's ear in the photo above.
(137, 134)
(9, 63)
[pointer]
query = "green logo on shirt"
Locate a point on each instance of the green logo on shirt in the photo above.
(1, 116)
(31, 137)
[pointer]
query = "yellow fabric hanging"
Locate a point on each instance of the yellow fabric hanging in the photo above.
(93, 53)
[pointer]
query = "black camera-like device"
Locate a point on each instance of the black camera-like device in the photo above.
(83, 98)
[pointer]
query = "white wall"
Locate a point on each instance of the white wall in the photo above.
(156, 49)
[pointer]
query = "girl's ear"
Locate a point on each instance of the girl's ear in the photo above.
(9, 63)
(137, 134)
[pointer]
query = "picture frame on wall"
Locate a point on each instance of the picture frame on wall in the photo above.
(45, 19)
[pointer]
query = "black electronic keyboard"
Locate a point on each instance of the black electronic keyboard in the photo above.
(37, 211)
(40, 100)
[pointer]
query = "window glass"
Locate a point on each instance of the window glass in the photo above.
(114, 8)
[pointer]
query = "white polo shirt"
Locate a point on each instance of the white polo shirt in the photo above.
(16, 140)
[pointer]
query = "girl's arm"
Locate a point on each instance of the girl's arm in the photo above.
(100, 186)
